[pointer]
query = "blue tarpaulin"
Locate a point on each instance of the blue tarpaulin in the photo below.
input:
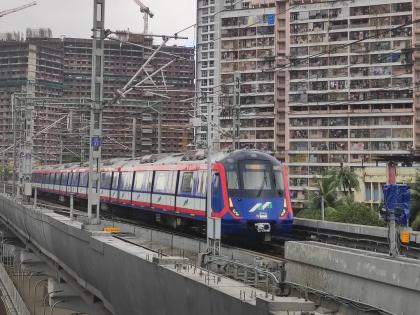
(271, 19)
(397, 197)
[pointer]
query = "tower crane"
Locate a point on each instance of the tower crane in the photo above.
(6, 12)
(146, 14)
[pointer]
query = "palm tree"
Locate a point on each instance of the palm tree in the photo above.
(346, 179)
(327, 190)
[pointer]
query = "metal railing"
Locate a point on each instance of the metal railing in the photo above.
(271, 282)
(12, 300)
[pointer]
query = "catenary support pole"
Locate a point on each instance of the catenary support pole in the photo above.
(133, 143)
(96, 109)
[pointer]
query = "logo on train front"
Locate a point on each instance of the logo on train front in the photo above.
(261, 207)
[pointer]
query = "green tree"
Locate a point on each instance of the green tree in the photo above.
(327, 189)
(346, 179)
(352, 213)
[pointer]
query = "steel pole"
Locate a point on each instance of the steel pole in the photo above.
(96, 112)
(14, 145)
(213, 224)
(159, 132)
(133, 144)
(237, 112)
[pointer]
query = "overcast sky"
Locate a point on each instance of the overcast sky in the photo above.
(73, 18)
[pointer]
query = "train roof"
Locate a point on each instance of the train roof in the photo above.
(190, 157)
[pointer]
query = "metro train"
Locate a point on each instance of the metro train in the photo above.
(250, 192)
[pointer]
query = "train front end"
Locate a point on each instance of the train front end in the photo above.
(258, 196)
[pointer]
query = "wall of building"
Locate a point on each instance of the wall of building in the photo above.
(61, 68)
(373, 179)
(350, 95)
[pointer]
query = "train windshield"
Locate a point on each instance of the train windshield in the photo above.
(254, 178)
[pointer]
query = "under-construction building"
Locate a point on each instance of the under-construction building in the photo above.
(61, 69)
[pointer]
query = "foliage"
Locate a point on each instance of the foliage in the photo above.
(345, 179)
(352, 213)
(327, 189)
(336, 188)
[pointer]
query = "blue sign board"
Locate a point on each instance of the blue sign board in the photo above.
(96, 141)
(397, 199)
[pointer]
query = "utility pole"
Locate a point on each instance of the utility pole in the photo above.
(14, 169)
(159, 131)
(213, 224)
(96, 109)
(61, 151)
(133, 144)
(236, 111)
(25, 155)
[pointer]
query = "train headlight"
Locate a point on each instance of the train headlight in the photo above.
(234, 211)
(284, 211)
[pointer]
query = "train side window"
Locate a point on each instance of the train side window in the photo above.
(165, 182)
(186, 183)
(115, 180)
(161, 179)
(126, 181)
(57, 179)
(106, 180)
(232, 179)
(202, 183)
(64, 178)
(75, 179)
(278, 180)
(139, 179)
(70, 179)
(170, 188)
(83, 181)
(149, 181)
(215, 182)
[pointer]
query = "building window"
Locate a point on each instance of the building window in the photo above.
(367, 192)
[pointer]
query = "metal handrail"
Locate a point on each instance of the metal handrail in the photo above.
(255, 269)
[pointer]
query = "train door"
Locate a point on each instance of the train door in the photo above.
(63, 185)
(74, 183)
(50, 182)
(125, 187)
(83, 184)
(114, 186)
(106, 179)
(163, 196)
(185, 199)
(217, 203)
(142, 187)
(57, 182)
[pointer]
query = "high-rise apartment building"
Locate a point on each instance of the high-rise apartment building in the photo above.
(240, 48)
(350, 92)
(61, 69)
(207, 61)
